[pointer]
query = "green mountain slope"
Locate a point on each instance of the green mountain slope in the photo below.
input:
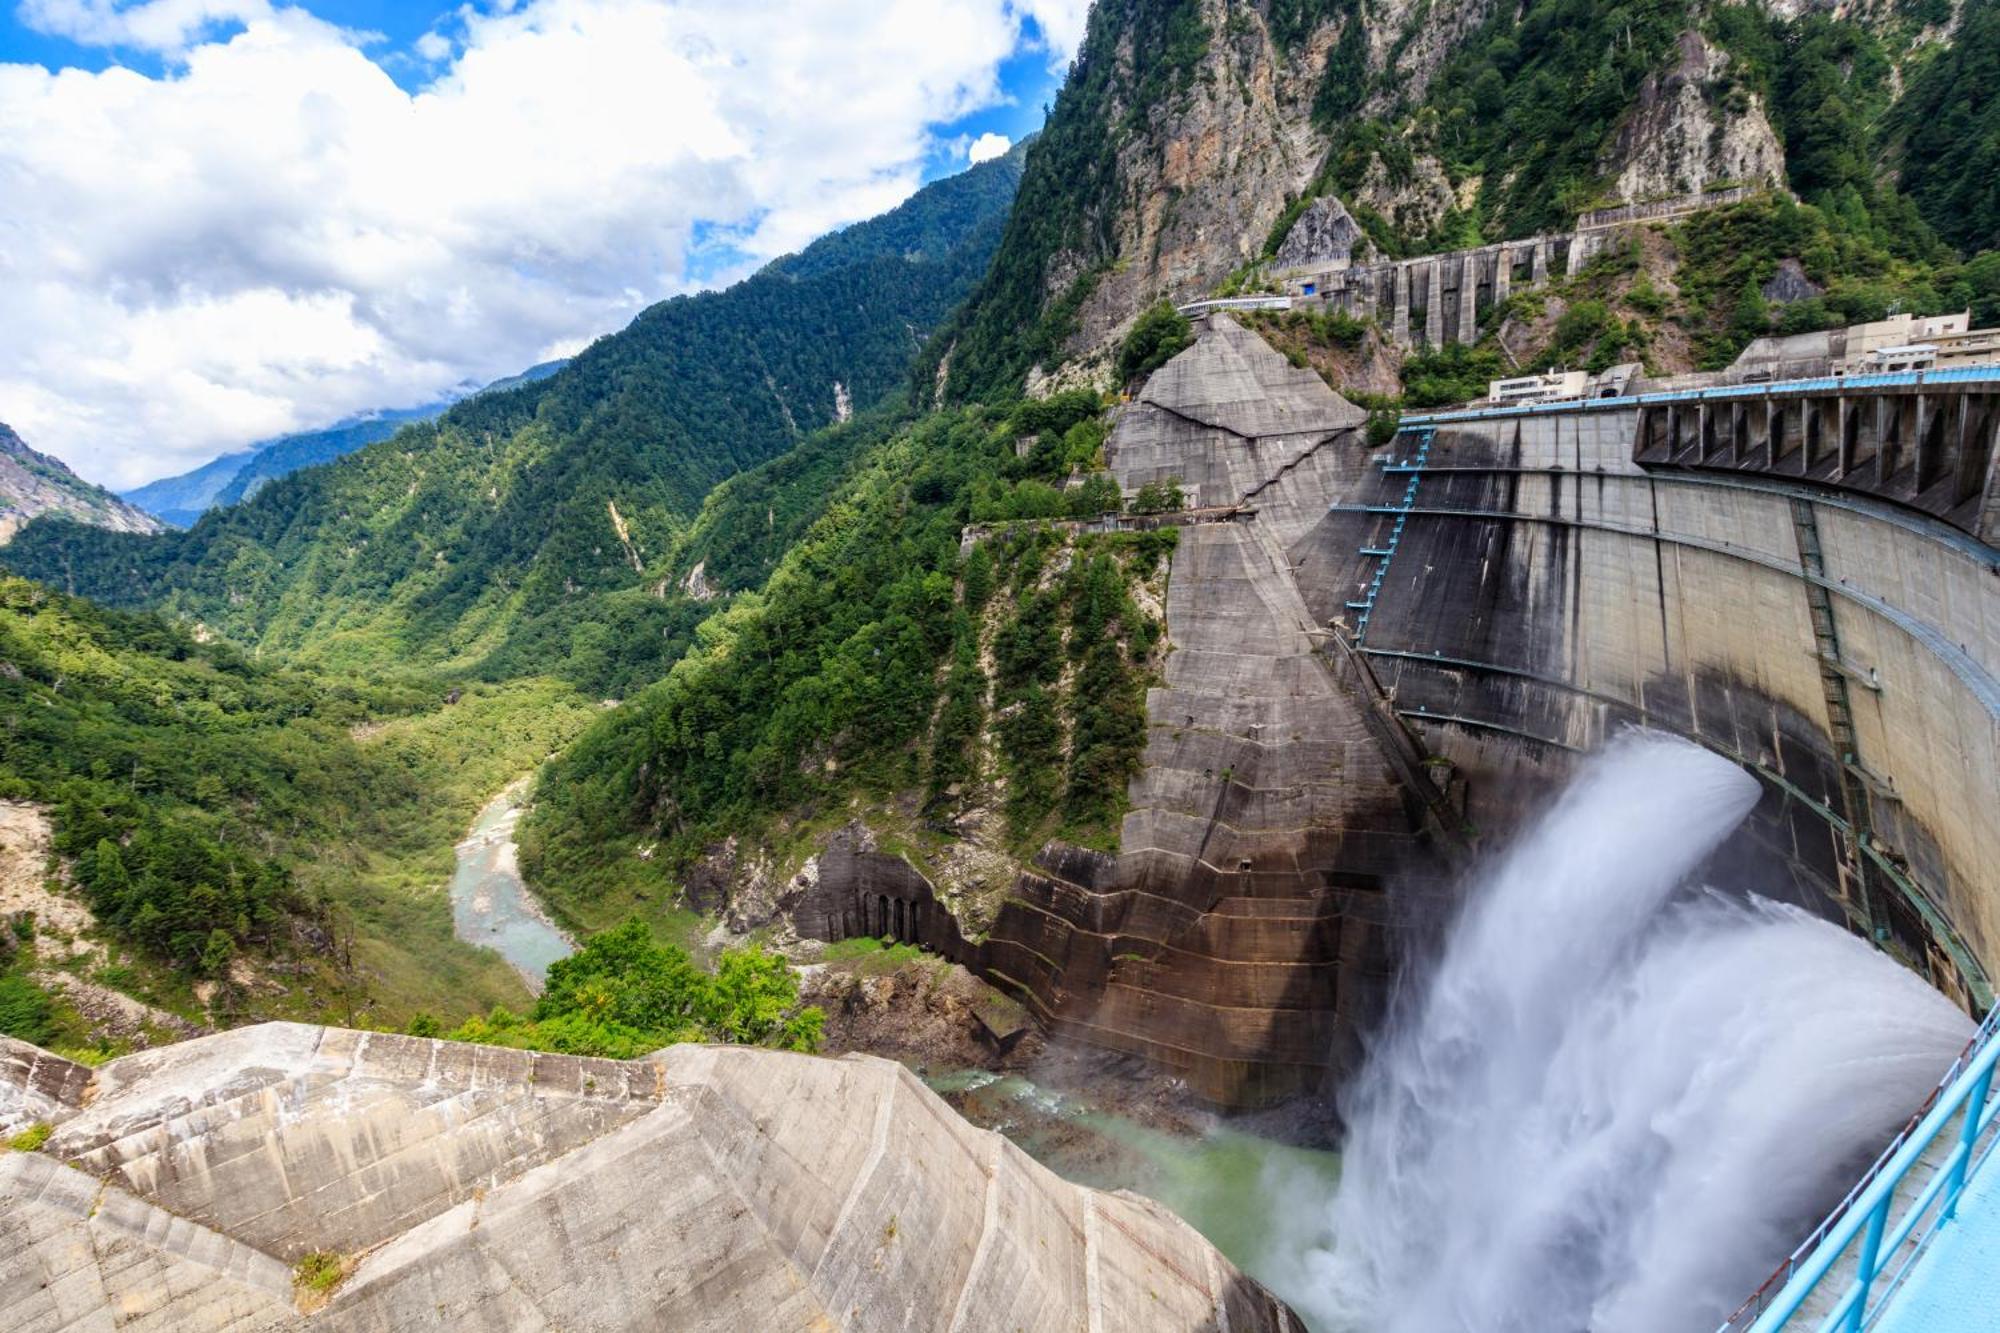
(277, 832)
(1445, 124)
(493, 538)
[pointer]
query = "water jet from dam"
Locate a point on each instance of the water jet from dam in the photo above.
(1618, 1098)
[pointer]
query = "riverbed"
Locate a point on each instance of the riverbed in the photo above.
(491, 906)
(1221, 1180)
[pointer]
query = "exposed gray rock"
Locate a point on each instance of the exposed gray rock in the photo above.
(1790, 283)
(1208, 175)
(1322, 237)
(33, 484)
(1690, 128)
(703, 1188)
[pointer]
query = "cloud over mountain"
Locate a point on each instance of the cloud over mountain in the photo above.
(273, 232)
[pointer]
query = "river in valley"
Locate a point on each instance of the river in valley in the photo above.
(490, 906)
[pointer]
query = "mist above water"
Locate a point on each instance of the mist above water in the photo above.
(1617, 1100)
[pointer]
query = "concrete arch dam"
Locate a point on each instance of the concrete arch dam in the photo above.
(1380, 650)
(1801, 579)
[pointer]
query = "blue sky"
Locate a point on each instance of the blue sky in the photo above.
(230, 219)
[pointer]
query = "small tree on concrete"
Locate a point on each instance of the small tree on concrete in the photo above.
(1159, 497)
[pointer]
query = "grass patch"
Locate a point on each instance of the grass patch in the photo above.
(873, 957)
(315, 1276)
(32, 1138)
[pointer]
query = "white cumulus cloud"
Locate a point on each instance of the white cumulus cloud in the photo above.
(273, 234)
(987, 147)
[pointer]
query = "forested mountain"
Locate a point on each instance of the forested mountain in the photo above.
(688, 517)
(233, 477)
(532, 527)
(880, 669)
(227, 822)
(1446, 125)
(180, 499)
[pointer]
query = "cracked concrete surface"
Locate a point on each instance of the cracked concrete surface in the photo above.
(705, 1187)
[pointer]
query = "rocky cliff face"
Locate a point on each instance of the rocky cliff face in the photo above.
(33, 484)
(1209, 173)
(1692, 129)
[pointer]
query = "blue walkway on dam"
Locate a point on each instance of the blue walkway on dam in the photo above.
(1955, 1283)
(1901, 379)
(1915, 1246)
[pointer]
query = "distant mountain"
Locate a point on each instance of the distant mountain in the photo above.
(33, 484)
(533, 529)
(180, 500)
(234, 477)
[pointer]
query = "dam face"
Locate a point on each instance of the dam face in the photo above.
(1382, 659)
(1780, 597)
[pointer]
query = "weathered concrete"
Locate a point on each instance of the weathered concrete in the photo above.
(702, 1188)
(1549, 589)
(1931, 447)
(1242, 935)
(36, 1086)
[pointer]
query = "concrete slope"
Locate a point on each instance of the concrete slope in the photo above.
(1241, 935)
(713, 1188)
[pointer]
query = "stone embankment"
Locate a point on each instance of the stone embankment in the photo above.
(462, 1186)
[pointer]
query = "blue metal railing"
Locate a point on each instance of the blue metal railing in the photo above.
(1870, 1214)
(1822, 384)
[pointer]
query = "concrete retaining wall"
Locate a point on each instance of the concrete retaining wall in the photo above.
(703, 1188)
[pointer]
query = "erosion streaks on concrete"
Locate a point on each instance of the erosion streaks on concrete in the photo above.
(702, 1188)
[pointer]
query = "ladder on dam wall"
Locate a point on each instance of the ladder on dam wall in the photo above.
(1904, 1250)
(1833, 670)
(1386, 552)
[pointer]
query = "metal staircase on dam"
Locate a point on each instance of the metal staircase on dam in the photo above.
(1386, 552)
(1833, 673)
(1915, 1245)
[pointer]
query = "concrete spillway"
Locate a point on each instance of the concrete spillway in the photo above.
(471, 1187)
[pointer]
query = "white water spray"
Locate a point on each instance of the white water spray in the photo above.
(1611, 1106)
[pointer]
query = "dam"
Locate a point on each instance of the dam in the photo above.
(1751, 633)
(1385, 660)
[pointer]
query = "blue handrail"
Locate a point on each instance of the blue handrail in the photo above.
(1870, 1214)
(1821, 384)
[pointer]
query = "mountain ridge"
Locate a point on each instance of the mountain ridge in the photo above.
(33, 484)
(180, 500)
(532, 525)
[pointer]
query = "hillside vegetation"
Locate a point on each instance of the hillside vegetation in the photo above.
(210, 811)
(532, 529)
(878, 662)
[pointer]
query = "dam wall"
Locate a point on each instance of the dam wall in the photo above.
(1805, 597)
(1378, 658)
(1244, 934)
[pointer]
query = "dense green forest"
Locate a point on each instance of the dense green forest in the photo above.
(858, 668)
(528, 530)
(625, 995)
(211, 810)
(1526, 104)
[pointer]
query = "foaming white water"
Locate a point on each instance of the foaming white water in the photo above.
(1611, 1106)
